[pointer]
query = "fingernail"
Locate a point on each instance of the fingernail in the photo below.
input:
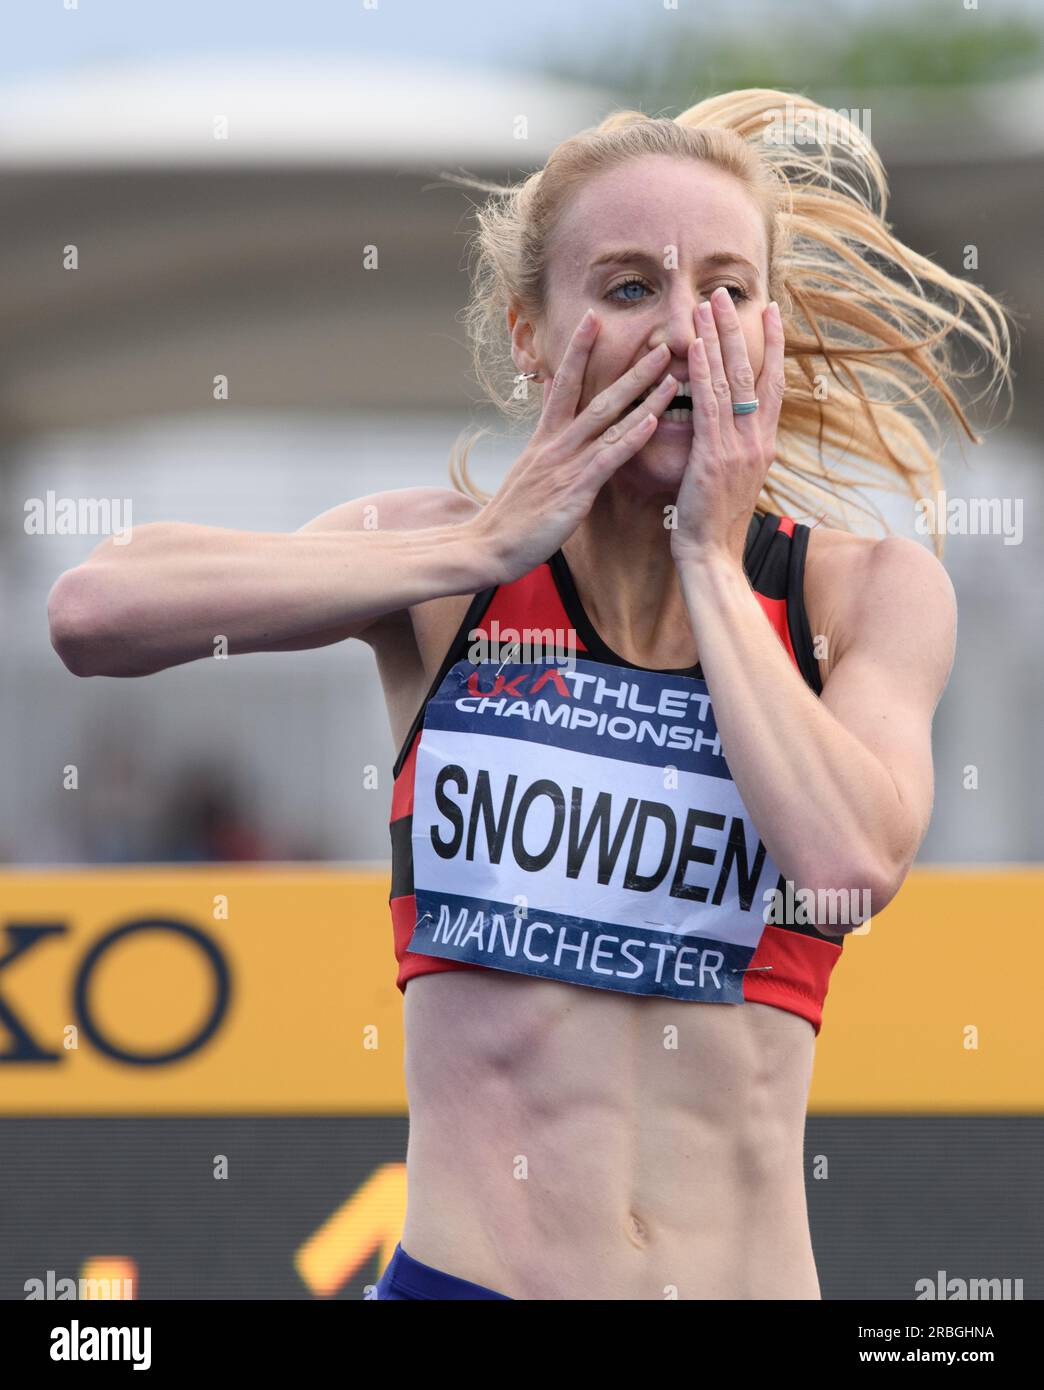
(705, 310)
(721, 294)
(775, 309)
(587, 319)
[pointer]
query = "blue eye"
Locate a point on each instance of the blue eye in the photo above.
(633, 282)
(737, 292)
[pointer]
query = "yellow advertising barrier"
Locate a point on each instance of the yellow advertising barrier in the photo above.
(231, 989)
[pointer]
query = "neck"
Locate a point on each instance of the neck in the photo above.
(620, 556)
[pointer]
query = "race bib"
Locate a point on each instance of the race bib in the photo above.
(581, 824)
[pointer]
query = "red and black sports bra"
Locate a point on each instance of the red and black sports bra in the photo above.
(572, 817)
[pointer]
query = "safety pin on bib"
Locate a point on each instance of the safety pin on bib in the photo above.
(735, 969)
(466, 676)
(511, 650)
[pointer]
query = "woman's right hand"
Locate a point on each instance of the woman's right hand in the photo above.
(553, 483)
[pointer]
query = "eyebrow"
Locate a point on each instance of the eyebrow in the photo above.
(629, 254)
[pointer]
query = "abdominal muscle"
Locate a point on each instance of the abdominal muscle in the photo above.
(573, 1143)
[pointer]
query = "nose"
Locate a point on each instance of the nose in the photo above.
(677, 323)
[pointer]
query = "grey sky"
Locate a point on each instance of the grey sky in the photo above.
(45, 37)
(42, 36)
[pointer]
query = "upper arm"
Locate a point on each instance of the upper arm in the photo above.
(893, 638)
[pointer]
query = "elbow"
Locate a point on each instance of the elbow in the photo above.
(73, 620)
(840, 898)
(885, 873)
(886, 884)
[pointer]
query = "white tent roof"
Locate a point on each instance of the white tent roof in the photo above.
(298, 109)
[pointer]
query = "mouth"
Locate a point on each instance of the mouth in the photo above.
(678, 412)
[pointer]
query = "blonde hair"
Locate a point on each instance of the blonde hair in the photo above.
(877, 336)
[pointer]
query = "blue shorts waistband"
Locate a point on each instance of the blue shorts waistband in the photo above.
(406, 1277)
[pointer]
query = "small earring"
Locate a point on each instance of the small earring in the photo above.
(528, 376)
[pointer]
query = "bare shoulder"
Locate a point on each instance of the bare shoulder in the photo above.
(887, 590)
(398, 509)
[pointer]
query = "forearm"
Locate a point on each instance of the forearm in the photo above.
(825, 807)
(167, 596)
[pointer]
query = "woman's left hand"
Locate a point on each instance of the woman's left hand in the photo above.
(730, 454)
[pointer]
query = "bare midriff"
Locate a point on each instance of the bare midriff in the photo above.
(573, 1143)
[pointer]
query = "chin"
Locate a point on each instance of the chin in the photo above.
(661, 462)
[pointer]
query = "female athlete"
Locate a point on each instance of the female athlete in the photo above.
(611, 1002)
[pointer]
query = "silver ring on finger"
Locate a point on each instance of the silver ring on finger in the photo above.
(745, 407)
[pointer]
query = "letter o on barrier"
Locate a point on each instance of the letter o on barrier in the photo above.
(146, 1059)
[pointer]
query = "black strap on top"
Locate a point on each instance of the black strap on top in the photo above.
(459, 644)
(760, 533)
(797, 615)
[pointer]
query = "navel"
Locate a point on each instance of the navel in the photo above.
(637, 1232)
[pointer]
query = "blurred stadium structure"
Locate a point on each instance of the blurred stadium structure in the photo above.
(244, 256)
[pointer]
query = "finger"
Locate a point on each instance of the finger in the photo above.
(738, 371)
(708, 331)
(772, 382)
(657, 401)
(562, 391)
(704, 402)
(606, 408)
(609, 455)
